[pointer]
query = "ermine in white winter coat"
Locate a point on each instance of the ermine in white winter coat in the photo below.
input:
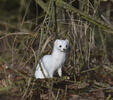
(51, 63)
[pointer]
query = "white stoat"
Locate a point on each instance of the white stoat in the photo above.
(51, 63)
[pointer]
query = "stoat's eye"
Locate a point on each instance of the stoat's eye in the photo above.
(66, 46)
(60, 46)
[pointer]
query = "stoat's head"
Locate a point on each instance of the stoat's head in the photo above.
(61, 45)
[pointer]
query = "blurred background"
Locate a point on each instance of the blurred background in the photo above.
(28, 29)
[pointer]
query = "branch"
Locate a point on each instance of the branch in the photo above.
(85, 16)
(62, 4)
(42, 5)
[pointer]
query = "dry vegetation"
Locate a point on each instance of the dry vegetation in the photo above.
(28, 29)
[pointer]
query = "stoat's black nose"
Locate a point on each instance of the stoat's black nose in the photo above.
(64, 49)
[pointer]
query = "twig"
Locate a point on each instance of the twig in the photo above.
(16, 33)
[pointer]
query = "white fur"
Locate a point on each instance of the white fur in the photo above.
(53, 62)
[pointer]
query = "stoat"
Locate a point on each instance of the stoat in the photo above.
(51, 63)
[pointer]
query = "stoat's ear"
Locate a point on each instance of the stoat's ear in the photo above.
(56, 41)
(67, 41)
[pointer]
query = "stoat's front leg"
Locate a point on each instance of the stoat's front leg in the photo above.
(60, 71)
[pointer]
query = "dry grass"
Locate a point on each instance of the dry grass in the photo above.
(88, 71)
